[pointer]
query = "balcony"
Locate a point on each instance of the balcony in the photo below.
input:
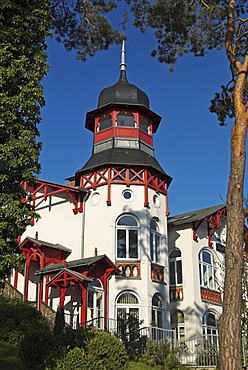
(129, 270)
(176, 293)
(157, 273)
(211, 296)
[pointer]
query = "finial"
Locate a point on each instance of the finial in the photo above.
(123, 65)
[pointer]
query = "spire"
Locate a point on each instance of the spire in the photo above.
(123, 76)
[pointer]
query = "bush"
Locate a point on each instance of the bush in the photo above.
(17, 319)
(35, 346)
(64, 342)
(161, 354)
(75, 359)
(106, 352)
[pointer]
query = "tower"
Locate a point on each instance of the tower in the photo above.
(125, 215)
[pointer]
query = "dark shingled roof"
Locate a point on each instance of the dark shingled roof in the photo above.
(46, 244)
(53, 267)
(194, 215)
(123, 156)
(123, 92)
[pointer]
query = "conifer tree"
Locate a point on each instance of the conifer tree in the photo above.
(24, 25)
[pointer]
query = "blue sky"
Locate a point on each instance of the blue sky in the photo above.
(189, 144)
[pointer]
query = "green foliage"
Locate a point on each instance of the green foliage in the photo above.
(24, 326)
(17, 319)
(9, 357)
(24, 26)
(106, 352)
(64, 342)
(83, 25)
(75, 359)
(59, 321)
(161, 354)
(35, 347)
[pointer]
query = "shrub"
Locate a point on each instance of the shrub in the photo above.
(75, 359)
(35, 346)
(106, 352)
(59, 321)
(64, 342)
(18, 318)
(161, 354)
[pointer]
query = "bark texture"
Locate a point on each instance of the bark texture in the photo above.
(230, 321)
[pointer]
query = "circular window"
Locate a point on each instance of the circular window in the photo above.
(95, 199)
(127, 195)
(156, 201)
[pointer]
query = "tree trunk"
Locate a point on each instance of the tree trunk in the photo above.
(230, 320)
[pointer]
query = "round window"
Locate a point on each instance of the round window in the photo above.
(156, 201)
(95, 199)
(127, 195)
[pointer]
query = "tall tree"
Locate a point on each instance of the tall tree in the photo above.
(24, 25)
(198, 26)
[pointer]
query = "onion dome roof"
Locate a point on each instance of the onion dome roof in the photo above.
(123, 92)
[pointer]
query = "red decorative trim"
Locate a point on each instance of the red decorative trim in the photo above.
(126, 175)
(123, 132)
(213, 223)
(15, 279)
(41, 190)
(176, 293)
(157, 272)
(129, 269)
(210, 296)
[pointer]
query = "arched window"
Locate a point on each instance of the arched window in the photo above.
(127, 237)
(127, 312)
(125, 119)
(154, 241)
(177, 324)
(104, 122)
(144, 124)
(207, 270)
(175, 265)
(95, 304)
(210, 326)
(157, 311)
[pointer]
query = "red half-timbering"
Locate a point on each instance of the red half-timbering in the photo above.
(80, 273)
(127, 176)
(44, 253)
(41, 190)
(214, 223)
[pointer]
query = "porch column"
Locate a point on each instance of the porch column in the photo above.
(47, 289)
(40, 293)
(84, 304)
(27, 271)
(15, 279)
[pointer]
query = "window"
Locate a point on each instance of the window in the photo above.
(207, 270)
(154, 241)
(177, 324)
(95, 304)
(175, 265)
(105, 122)
(127, 195)
(157, 311)
(210, 327)
(127, 237)
(127, 305)
(144, 124)
(125, 119)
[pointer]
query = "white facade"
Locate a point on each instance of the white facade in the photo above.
(116, 207)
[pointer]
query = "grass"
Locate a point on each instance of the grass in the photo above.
(140, 366)
(9, 357)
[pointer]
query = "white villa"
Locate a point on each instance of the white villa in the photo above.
(104, 246)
